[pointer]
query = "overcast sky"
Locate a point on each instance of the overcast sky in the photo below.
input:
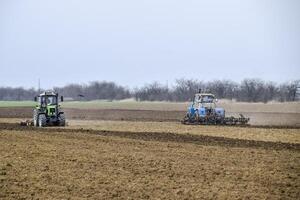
(133, 42)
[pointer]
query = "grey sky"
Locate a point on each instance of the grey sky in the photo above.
(134, 42)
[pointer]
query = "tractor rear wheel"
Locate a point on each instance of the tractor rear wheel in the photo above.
(42, 120)
(62, 120)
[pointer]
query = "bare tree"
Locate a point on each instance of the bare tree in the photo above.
(287, 91)
(251, 90)
(186, 88)
(152, 92)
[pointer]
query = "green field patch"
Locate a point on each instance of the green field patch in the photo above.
(17, 104)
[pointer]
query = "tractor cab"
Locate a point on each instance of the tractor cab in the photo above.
(205, 105)
(47, 99)
(48, 102)
(204, 100)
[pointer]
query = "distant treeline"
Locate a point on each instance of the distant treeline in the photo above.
(249, 90)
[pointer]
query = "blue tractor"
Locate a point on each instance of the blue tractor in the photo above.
(204, 110)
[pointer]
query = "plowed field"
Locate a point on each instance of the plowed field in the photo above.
(144, 154)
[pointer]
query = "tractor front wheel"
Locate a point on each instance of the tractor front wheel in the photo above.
(62, 120)
(42, 120)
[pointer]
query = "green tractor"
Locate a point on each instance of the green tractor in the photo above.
(47, 111)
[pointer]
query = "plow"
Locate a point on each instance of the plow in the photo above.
(204, 111)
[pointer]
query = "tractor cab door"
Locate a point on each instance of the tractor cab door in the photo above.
(42, 101)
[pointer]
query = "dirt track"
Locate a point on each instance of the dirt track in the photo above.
(267, 118)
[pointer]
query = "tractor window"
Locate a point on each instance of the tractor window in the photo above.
(207, 99)
(51, 100)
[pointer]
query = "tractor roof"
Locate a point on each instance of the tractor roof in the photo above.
(205, 95)
(48, 93)
(205, 98)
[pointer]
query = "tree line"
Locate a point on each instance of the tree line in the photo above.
(248, 90)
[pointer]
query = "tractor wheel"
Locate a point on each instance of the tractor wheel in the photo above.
(42, 120)
(35, 118)
(62, 120)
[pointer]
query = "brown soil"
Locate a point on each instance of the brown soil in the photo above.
(58, 163)
(164, 137)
